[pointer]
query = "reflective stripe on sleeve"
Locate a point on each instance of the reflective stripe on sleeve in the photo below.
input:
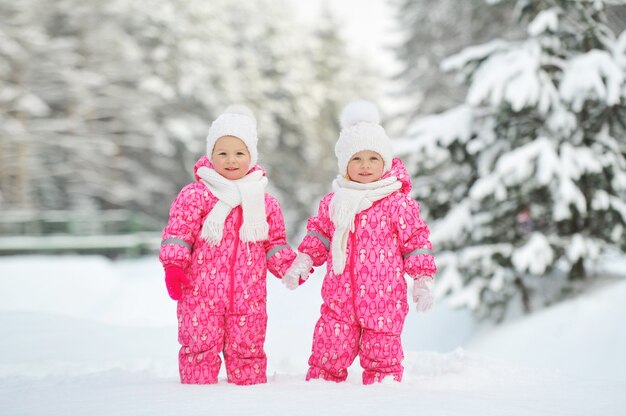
(418, 251)
(323, 239)
(176, 241)
(275, 250)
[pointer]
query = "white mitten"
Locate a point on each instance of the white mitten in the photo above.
(423, 293)
(299, 269)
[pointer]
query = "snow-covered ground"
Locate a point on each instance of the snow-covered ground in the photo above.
(85, 335)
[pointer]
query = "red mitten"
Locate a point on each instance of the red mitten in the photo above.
(175, 279)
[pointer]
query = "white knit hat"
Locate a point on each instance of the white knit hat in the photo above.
(239, 121)
(361, 130)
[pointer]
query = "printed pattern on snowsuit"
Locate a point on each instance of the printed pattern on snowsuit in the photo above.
(223, 309)
(364, 307)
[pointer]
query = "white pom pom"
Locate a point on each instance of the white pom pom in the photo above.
(359, 111)
(239, 109)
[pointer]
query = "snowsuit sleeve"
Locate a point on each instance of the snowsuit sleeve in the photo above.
(316, 243)
(185, 220)
(416, 247)
(278, 253)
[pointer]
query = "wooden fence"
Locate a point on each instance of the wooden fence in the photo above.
(111, 232)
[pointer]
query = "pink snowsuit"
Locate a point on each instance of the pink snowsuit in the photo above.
(224, 307)
(365, 306)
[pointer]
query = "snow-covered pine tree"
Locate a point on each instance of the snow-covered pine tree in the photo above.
(65, 78)
(190, 59)
(525, 183)
(428, 32)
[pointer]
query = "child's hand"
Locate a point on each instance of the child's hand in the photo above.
(423, 293)
(175, 279)
(298, 272)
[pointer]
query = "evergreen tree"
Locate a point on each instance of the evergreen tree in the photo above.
(430, 31)
(87, 124)
(107, 105)
(18, 102)
(526, 181)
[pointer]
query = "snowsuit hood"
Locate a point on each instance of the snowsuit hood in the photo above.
(399, 171)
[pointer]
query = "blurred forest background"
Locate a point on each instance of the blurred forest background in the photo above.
(509, 114)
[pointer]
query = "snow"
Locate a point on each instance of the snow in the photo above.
(592, 76)
(546, 21)
(454, 225)
(472, 53)
(451, 125)
(582, 247)
(572, 332)
(513, 77)
(87, 335)
(535, 257)
(426, 137)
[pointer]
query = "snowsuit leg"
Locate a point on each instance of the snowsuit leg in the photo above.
(381, 355)
(335, 346)
(201, 338)
(246, 362)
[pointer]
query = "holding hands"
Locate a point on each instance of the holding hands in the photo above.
(175, 279)
(298, 272)
(423, 293)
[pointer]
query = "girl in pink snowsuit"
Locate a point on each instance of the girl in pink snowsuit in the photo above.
(370, 233)
(223, 234)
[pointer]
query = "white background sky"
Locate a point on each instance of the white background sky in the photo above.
(368, 27)
(370, 30)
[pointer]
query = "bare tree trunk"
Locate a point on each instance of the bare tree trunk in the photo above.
(577, 272)
(22, 180)
(524, 292)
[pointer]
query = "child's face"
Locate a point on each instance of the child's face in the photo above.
(365, 167)
(230, 157)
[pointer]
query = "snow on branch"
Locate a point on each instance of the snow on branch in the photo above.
(473, 54)
(594, 75)
(446, 127)
(514, 77)
(535, 257)
(581, 247)
(454, 226)
(545, 21)
(430, 136)
(538, 157)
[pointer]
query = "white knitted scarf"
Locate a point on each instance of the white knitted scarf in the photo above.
(349, 199)
(249, 192)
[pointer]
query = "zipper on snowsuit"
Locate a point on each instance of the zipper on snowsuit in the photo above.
(352, 272)
(233, 261)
